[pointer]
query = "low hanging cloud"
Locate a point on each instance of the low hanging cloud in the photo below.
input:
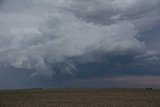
(56, 35)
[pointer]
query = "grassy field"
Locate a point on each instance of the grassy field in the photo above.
(80, 98)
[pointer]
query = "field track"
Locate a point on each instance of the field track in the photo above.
(80, 98)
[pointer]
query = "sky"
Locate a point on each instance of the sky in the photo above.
(79, 43)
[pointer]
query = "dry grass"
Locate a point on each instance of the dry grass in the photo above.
(80, 98)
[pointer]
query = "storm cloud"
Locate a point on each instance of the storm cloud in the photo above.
(64, 39)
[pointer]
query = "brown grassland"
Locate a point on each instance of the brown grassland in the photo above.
(80, 98)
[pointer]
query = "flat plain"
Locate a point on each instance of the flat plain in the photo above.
(80, 98)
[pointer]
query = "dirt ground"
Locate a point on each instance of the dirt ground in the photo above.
(80, 98)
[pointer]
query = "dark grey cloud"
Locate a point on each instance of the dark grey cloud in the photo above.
(70, 39)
